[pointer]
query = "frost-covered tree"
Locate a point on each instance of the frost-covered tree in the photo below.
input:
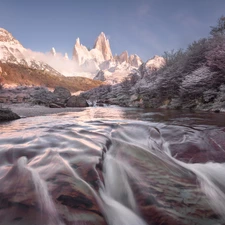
(219, 29)
(216, 54)
(195, 55)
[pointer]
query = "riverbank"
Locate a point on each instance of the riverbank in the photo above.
(28, 110)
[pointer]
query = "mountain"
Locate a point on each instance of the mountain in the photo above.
(189, 79)
(114, 69)
(84, 63)
(15, 74)
(12, 51)
(151, 65)
(21, 66)
(102, 44)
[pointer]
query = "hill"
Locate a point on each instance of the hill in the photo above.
(21, 75)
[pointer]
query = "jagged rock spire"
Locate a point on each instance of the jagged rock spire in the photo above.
(53, 52)
(66, 56)
(102, 44)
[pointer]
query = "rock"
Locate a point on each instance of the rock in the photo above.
(135, 60)
(66, 57)
(42, 96)
(102, 44)
(90, 59)
(76, 101)
(100, 76)
(7, 115)
(62, 92)
(53, 52)
(4, 98)
(53, 105)
(123, 57)
(155, 63)
(151, 65)
(60, 97)
(22, 98)
(134, 97)
(80, 53)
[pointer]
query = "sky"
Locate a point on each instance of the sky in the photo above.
(142, 27)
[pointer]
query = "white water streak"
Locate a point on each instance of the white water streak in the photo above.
(120, 205)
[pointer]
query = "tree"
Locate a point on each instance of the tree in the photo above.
(216, 54)
(219, 29)
(171, 57)
(196, 55)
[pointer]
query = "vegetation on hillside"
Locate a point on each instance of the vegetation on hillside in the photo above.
(190, 78)
(197, 73)
(21, 75)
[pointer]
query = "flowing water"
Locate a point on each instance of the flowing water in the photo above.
(115, 166)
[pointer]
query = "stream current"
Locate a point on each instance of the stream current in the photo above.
(113, 166)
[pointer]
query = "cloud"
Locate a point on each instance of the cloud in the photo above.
(65, 66)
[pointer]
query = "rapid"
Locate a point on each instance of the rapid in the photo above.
(113, 166)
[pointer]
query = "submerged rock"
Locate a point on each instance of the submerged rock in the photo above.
(7, 115)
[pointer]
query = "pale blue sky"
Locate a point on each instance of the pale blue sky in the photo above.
(144, 27)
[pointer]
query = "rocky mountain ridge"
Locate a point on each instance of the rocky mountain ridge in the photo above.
(101, 59)
(84, 62)
(12, 51)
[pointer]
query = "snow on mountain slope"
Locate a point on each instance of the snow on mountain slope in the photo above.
(12, 51)
(84, 62)
(155, 63)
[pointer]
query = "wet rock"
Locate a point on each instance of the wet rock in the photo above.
(216, 110)
(7, 115)
(75, 202)
(76, 101)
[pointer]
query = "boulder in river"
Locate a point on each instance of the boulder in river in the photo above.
(7, 115)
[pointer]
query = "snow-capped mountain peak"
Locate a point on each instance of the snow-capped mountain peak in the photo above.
(85, 62)
(12, 51)
(7, 38)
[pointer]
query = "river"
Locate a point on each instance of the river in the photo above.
(113, 166)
